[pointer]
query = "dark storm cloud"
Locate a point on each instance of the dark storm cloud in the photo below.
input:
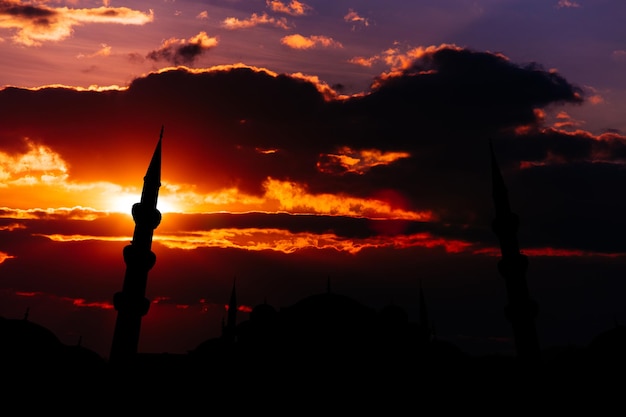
(441, 110)
(575, 205)
(461, 89)
(553, 146)
(38, 15)
(179, 51)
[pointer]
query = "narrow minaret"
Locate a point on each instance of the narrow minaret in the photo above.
(229, 330)
(521, 310)
(131, 303)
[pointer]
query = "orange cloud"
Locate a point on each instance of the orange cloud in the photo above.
(82, 238)
(36, 24)
(11, 227)
(283, 241)
(294, 198)
(39, 164)
(427, 240)
(363, 61)
(298, 41)
(565, 121)
(357, 161)
(105, 50)
(62, 213)
(353, 17)
(294, 8)
(4, 256)
(254, 20)
(327, 91)
(398, 60)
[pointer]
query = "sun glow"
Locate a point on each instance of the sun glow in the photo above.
(123, 203)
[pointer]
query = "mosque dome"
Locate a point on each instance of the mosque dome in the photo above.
(609, 346)
(23, 337)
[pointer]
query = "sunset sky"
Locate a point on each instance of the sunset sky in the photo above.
(307, 142)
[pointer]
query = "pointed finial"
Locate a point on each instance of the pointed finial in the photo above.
(153, 175)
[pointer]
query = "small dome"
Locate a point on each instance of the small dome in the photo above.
(23, 336)
(610, 345)
(262, 312)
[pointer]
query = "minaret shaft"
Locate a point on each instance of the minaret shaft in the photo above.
(521, 309)
(131, 303)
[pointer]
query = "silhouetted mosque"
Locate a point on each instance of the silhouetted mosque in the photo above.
(326, 337)
(330, 330)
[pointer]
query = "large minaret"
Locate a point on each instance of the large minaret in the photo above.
(521, 309)
(131, 303)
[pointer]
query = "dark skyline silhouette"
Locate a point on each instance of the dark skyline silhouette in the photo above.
(291, 185)
(326, 341)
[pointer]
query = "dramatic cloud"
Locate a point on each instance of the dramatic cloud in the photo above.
(363, 61)
(349, 160)
(355, 19)
(36, 24)
(293, 8)
(397, 58)
(38, 164)
(298, 41)
(277, 180)
(4, 257)
(181, 51)
(255, 20)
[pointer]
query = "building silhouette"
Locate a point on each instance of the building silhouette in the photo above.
(323, 348)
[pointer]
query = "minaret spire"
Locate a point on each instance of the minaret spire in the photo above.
(131, 303)
(521, 309)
